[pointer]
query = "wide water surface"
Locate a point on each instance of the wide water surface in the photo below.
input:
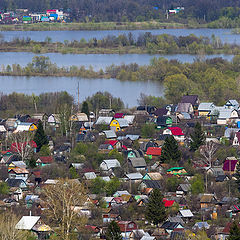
(128, 91)
(97, 61)
(225, 35)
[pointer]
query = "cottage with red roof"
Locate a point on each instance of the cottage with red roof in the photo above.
(114, 143)
(43, 161)
(229, 165)
(126, 227)
(154, 152)
(176, 132)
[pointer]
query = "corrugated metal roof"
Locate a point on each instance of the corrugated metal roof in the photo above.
(205, 106)
(104, 120)
(134, 176)
(27, 222)
(110, 134)
(186, 213)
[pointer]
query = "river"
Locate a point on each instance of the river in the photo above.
(128, 91)
(97, 61)
(225, 35)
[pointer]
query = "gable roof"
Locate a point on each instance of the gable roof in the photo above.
(206, 106)
(104, 120)
(168, 203)
(155, 151)
(207, 198)
(90, 175)
(13, 182)
(110, 134)
(111, 163)
(19, 164)
(225, 113)
(138, 162)
(47, 159)
(155, 184)
(129, 118)
(161, 112)
(229, 165)
(122, 122)
(186, 213)
(154, 175)
(19, 170)
(190, 99)
(176, 131)
(118, 115)
(27, 222)
(171, 225)
(134, 176)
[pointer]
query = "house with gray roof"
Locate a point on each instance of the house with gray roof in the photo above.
(103, 120)
(134, 176)
(232, 104)
(110, 134)
(138, 164)
(109, 164)
(205, 108)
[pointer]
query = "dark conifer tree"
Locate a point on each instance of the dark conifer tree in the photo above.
(237, 176)
(170, 152)
(155, 210)
(85, 108)
(234, 232)
(197, 137)
(113, 231)
(40, 138)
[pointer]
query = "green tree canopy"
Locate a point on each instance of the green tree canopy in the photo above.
(148, 130)
(197, 137)
(40, 138)
(113, 231)
(4, 188)
(97, 185)
(197, 184)
(155, 210)
(112, 186)
(170, 152)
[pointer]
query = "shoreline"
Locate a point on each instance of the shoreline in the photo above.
(97, 26)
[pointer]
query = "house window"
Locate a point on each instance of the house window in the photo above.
(131, 225)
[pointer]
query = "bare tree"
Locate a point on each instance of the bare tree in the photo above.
(207, 151)
(8, 231)
(64, 200)
(22, 143)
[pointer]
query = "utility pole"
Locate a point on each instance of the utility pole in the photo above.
(78, 96)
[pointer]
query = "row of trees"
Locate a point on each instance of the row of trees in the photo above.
(130, 10)
(54, 102)
(213, 80)
(146, 42)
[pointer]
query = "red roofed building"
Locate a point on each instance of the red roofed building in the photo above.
(154, 151)
(176, 132)
(127, 227)
(42, 161)
(229, 165)
(168, 203)
(118, 115)
(114, 143)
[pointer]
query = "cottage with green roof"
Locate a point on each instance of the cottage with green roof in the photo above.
(177, 171)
